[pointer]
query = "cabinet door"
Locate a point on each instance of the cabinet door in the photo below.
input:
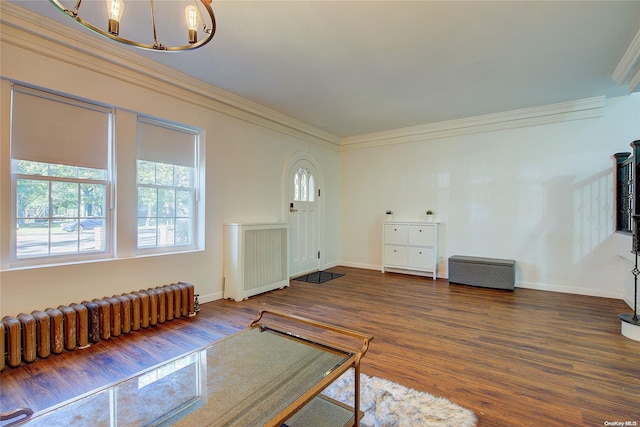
(421, 258)
(421, 235)
(395, 234)
(395, 255)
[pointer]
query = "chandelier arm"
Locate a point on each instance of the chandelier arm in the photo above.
(204, 24)
(156, 45)
(210, 31)
(76, 9)
(159, 47)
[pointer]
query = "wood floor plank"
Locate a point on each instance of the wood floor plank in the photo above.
(522, 358)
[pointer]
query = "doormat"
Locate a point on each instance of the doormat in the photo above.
(318, 277)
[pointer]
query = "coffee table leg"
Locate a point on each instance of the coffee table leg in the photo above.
(356, 396)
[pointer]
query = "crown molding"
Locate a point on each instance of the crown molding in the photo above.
(628, 69)
(44, 36)
(553, 113)
(47, 37)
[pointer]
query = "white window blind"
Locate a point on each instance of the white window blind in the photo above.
(161, 143)
(57, 130)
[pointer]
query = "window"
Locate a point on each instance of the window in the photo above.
(624, 192)
(167, 179)
(60, 151)
(303, 186)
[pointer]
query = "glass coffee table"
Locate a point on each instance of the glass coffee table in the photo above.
(270, 374)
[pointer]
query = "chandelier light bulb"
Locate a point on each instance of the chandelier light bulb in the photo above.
(115, 8)
(191, 13)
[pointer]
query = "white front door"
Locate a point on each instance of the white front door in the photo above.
(304, 218)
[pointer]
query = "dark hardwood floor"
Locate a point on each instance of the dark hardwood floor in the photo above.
(521, 358)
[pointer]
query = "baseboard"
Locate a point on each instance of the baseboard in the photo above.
(569, 290)
(358, 265)
(330, 265)
(379, 268)
(527, 285)
(519, 284)
(209, 297)
(629, 302)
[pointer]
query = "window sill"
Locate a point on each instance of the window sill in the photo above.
(624, 243)
(96, 260)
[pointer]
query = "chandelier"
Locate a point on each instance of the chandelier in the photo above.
(115, 9)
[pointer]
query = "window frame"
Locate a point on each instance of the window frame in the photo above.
(197, 178)
(63, 258)
(624, 193)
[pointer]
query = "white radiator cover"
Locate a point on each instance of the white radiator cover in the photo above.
(256, 259)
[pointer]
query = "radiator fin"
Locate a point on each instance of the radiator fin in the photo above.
(43, 333)
(56, 324)
(27, 337)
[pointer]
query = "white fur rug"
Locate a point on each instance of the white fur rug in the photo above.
(387, 404)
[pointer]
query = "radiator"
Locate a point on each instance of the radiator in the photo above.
(256, 259)
(29, 336)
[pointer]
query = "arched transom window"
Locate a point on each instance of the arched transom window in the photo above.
(303, 186)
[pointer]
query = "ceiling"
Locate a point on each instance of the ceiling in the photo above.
(358, 67)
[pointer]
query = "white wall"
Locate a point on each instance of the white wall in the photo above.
(542, 195)
(245, 163)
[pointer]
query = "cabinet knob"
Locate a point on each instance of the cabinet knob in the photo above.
(420, 252)
(421, 230)
(395, 229)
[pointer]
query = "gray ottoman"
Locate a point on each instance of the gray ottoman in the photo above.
(484, 272)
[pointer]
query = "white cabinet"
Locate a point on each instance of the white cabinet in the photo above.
(410, 247)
